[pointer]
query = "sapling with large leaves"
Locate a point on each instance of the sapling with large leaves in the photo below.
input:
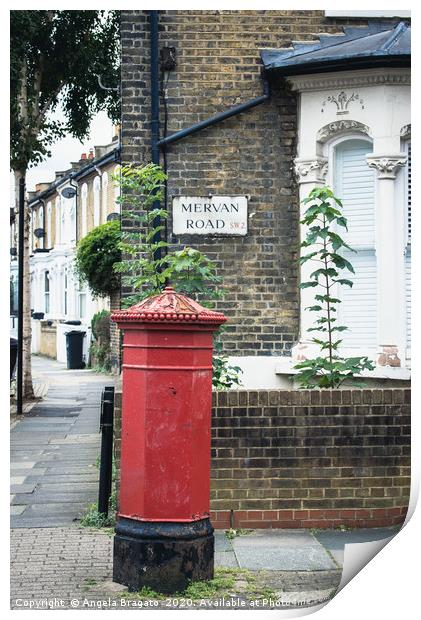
(324, 219)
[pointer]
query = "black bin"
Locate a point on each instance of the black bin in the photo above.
(13, 356)
(74, 350)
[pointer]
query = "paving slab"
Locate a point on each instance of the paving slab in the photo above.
(226, 559)
(335, 540)
(17, 510)
(22, 465)
(222, 543)
(290, 550)
(17, 479)
(22, 488)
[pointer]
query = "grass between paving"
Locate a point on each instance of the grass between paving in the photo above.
(94, 518)
(233, 533)
(227, 582)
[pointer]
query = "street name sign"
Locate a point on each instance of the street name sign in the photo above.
(210, 215)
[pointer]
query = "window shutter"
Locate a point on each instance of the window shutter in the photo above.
(355, 186)
(408, 252)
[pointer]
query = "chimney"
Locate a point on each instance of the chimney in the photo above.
(91, 154)
(40, 187)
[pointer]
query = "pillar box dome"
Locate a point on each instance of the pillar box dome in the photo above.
(168, 307)
(163, 515)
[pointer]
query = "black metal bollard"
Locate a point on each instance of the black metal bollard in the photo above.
(106, 463)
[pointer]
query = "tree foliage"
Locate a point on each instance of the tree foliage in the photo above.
(56, 56)
(324, 219)
(96, 255)
(189, 271)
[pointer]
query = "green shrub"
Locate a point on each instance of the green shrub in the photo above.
(96, 255)
(100, 325)
(100, 348)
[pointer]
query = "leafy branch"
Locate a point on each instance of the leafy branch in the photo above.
(188, 270)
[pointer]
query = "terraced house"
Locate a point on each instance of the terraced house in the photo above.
(63, 212)
(255, 109)
(248, 111)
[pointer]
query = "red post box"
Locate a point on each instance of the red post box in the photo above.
(164, 538)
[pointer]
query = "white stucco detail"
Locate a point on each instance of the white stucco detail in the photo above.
(84, 210)
(345, 105)
(97, 201)
(104, 196)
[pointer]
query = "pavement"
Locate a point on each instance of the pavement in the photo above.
(54, 448)
(54, 478)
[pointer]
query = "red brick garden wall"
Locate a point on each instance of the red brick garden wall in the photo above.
(310, 458)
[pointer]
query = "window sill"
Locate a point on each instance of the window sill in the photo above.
(285, 367)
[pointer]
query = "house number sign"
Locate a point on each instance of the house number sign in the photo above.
(210, 215)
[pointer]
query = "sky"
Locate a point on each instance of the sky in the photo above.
(64, 151)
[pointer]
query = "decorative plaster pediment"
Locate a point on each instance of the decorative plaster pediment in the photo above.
(350, 79)
(339, 128)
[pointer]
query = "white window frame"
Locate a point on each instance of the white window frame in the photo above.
(49, 239)
(41, 223)
(117, 205)
(65, 292)
(104, 196)
(406, 147)
(64, 233)
(31, 232)
(58, 221)
(84, 211)
(330, 150)
(47, 292)
(97, 201)
(81, 298)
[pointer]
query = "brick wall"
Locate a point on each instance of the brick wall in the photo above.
(117, 430)
(115, 334)
(309, 458)
(218, 66)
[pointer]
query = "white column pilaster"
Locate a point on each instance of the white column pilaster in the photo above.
(390, 260)
(310, 173)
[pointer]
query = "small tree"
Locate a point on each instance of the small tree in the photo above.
(56, 57)
(189, 271)
(323, 217)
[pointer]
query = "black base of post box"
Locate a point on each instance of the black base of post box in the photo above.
(164, 556)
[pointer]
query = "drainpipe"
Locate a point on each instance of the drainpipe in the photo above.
(213, 120)
(153, 16)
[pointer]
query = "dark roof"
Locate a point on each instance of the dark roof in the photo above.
(113, 155)
(378, 44)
